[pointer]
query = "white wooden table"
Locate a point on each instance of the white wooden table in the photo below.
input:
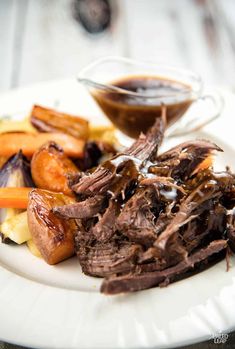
(40, 40)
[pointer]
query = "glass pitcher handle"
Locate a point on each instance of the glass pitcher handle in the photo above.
(195, 120)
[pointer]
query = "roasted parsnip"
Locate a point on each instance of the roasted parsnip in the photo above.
(16, 228)
(49, 120)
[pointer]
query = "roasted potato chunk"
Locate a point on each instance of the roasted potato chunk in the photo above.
(33, 248)
(50, 168)
(53, 236)
(49, 120)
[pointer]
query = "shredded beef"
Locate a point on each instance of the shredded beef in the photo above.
(146, 220)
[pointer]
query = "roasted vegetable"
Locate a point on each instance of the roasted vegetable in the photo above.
(16, 228)
(33, 248)
(49, 120)
(103, 133)
(53, 236)
(16, 126)
(11, 143)
(94, 153)
(50, 168)
(14, 197)
(14, 173)
(3, 160)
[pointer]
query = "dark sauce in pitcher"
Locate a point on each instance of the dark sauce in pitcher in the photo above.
(135, 114)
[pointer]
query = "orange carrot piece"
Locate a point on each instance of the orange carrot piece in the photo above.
(3, 159)
(14, 197)
(12, 142)
(206, 163)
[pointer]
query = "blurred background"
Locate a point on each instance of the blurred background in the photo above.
(42, 40)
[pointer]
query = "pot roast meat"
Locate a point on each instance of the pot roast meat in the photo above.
(83, 209)
(142, 217)
(231, 230)
(208, 226)
(105, 228)
(182, 161)
(186, 220)
(145, 219)
(114, 257)
(116, 175)
(136, 282)
(96, 183)
(136, 221)
(147, 145)
(142, 149)
(210, 188)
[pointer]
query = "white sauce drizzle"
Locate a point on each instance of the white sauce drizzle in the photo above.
(169, 195)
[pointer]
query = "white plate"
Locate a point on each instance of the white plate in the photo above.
(58, 307)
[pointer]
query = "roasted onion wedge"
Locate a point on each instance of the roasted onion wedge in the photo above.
(53, 236)
(50, 168)
(49, 120)
(15, 176)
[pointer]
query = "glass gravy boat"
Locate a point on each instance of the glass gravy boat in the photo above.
(131, 94)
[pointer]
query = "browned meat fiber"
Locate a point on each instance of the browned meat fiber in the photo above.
(146, 220)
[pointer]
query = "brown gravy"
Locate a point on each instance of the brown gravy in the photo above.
(133, 114)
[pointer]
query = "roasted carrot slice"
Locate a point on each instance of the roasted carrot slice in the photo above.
(3, 159)
(14, 197)
(206, 163)
(11, 143)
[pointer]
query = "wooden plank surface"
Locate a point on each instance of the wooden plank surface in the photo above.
(40, 39)
(195, 34)
(7, 26)
(57, 46)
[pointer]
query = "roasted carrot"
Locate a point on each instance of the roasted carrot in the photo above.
(11, 143)
(14, 197)
(206, 163)
(3, 159)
